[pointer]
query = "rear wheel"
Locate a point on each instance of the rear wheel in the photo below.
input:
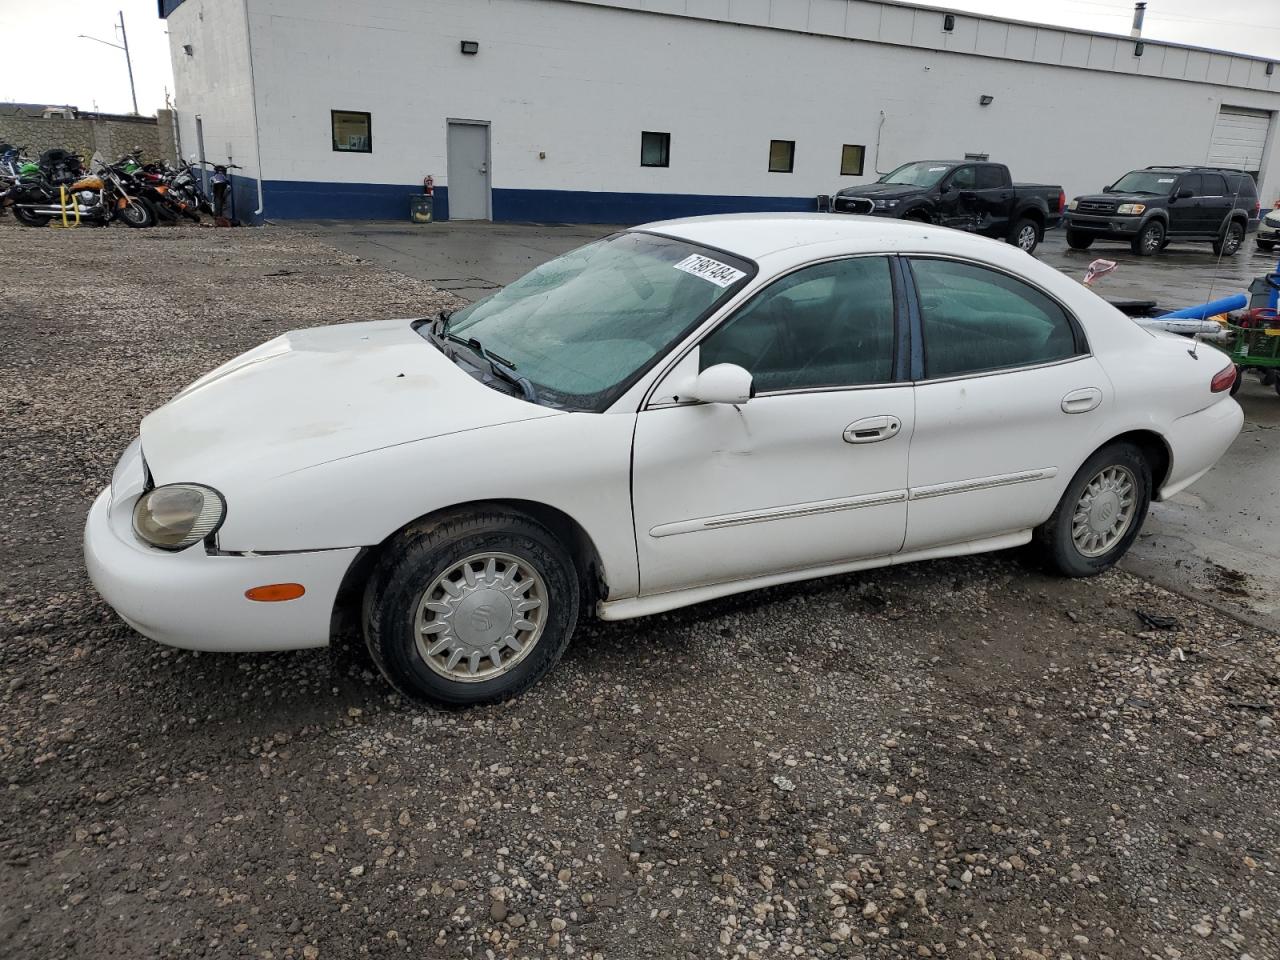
(1100, 514)
(1150, 239)
(1239, 380)
(29, 219)
(1079, 241)
(471, 609)
(1231, 239)
(1025, 234)
(1266, 245)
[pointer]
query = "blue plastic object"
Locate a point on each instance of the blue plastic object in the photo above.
(1211, 309)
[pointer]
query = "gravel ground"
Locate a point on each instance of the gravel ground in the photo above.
(962, 758)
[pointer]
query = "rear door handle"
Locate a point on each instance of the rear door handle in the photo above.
(1082, 400)
(871, 429)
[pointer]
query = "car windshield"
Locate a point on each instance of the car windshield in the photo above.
(923, 173)
(1154, 182)
(581, 327)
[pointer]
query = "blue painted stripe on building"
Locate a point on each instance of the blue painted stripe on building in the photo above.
(589, 206)
(312, 200)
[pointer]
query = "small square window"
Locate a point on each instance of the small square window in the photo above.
(851, 159)
(782, 156)
(352, 131)
(655, 149)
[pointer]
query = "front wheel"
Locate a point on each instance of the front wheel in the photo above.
(1150, 239)
(1025, 235)
(137, 212)
(1100, 514)
(1231, 240)
(1079, 241)
(471, 609)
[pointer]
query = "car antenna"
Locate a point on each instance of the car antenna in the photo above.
(1217, 267)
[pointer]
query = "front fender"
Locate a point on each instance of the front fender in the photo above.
(576, 463)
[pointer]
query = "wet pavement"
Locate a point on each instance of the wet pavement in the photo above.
(1219, 541)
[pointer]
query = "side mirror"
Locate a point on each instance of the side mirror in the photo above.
(1183, 195)
(723, 383)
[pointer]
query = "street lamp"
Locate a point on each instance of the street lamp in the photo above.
(127, 59)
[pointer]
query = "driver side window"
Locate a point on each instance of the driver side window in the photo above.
(829, 325)
(964, 179)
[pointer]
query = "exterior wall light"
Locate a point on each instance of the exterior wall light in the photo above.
(949, 22)
(470, 47)
(1271, 68)
(188, 50)
(1138, 48)
(986, 99)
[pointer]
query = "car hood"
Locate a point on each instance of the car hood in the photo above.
(313, 396)
(1121, 197)
(881, 191)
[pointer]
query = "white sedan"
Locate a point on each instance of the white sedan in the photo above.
(678, 412)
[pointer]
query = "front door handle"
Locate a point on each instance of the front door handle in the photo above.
(1082, 400)
(871, 429)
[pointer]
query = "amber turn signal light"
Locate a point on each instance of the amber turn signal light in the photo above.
(275, 592)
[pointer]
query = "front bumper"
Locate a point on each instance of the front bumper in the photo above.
(1103, 226)
(194, 599)
(1268, 233)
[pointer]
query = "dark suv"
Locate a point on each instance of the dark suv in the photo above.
(1150, 207)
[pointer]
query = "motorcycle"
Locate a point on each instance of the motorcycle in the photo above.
(99, 198)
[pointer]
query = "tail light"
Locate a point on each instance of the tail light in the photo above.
(1223, 379)
(1062, 200)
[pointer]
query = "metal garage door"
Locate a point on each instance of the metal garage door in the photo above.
(1239, 136)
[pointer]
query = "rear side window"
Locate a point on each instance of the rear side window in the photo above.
(990, 178)
(828, 325)
(1241, 185)
(977, 320)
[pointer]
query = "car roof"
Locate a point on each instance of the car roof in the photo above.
(755, 235)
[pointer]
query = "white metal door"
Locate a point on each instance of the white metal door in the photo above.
(1239, 138)
(778, 483)
(468, 148)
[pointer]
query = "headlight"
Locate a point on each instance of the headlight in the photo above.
(885, 204)
(1073, 204)
(1130, 209)
(178, 515)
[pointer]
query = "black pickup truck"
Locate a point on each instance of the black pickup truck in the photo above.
(967, 195)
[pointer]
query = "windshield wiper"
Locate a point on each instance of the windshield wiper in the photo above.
(502, 368)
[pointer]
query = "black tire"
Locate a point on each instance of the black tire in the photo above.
(1053, 538)
(1025, 234)
(1239, 381)
(1266, 245)
(28, 219)
(138, 213)
(426, 550)
(917, 216)
(1151, 239)
(1079, 241)
(1232, 239)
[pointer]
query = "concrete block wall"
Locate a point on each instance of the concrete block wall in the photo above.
(87, 135)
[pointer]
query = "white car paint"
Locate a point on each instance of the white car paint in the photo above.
(326, 442)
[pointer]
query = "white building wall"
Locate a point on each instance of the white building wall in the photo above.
(578, 80)
(213, 81)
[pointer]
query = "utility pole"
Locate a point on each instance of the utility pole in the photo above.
(128, 62)
(127, 59)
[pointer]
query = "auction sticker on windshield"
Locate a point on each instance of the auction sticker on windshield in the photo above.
(713, 271)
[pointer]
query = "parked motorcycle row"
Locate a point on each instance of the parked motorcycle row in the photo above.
(57, 188)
